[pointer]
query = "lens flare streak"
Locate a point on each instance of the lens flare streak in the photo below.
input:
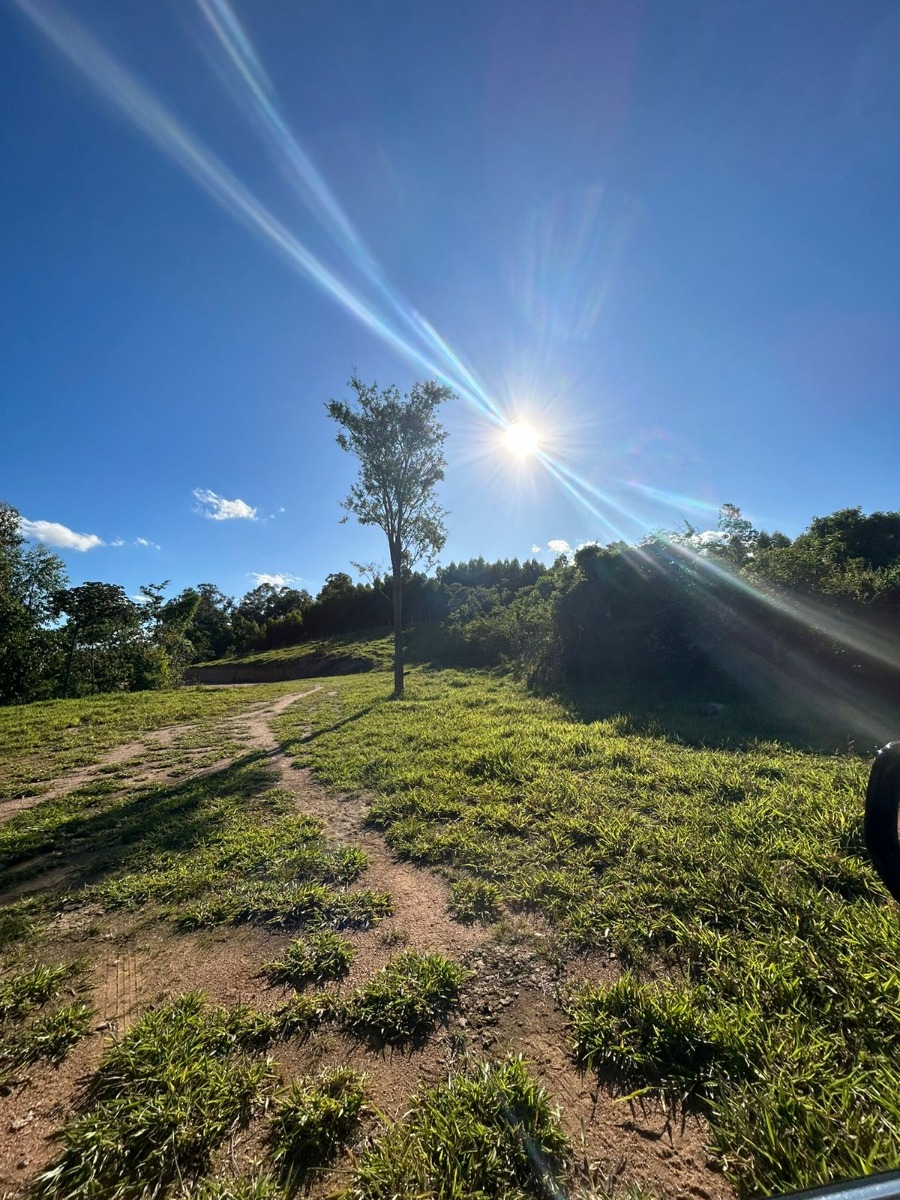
(151, 116)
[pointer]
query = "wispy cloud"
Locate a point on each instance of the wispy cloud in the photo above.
(559, 546)
(147, 543)
(217, 508)
(536, 549)
(54, 534)
(278, 580)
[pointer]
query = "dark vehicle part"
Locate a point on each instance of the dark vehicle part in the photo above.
(880, 825)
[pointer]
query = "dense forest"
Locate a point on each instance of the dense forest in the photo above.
(721, 613)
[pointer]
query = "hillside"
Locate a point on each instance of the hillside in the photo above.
(667, 914)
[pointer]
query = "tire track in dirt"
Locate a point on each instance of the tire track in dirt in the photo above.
(252, 726)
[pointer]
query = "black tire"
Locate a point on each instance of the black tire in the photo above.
(880, 824)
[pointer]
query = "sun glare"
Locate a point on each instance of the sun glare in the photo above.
(521, 439)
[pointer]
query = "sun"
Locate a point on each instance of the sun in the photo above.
(521, 439)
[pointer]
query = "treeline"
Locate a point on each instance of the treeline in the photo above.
(810, 621)
(57, 640)
(807, 626)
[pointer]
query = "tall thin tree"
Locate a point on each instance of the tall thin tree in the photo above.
(399, 443)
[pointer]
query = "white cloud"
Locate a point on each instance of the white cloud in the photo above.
(278, 580)
(559, 546)
(709, 537)
(55, 534)
(536, 549)
(117, 542)
(217, 508)
(146, 542)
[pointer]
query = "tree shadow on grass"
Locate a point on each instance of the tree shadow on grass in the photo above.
(732, 724)
(93, 836)
(292, 743)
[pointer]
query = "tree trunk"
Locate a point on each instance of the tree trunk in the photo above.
(69, 663)
(397, 569)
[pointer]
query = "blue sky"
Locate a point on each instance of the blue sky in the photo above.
(664, 233)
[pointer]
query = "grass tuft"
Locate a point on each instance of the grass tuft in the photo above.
(259, 1186)
(475, 900)
(314, 1119)
(165, 1096)
(491, 1132)
(406, 998)
(320, 957)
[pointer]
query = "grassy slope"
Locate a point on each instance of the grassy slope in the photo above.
(760, 977)
(761, 955)
(375, 649)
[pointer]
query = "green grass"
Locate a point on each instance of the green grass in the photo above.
(33, 1026)
(736, 872)
(40, 742)
(258, 1186)
(320, 957)
(406, 998)
(29, 989)
(166, 1095)
(489, 1134)
(314, 1119)
(304, 1013)
(400, 1003)
(225, 848)
(371, 650)
(475, 900)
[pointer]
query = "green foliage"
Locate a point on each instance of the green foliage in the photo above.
(50, 1036)
(653, 1037)
(165, 1096)
(259, 1186)
(50, 1033)
(399, 444)
(308, 1011)
(41, 742)
(29, 989)
(490, 1133)
(29, 578)
(406, 998)
(320, 957)
(475, 900)
(314, 1119)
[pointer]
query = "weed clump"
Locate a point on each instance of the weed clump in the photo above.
(406, 998)
(304, 1013)
(260, 1186)
(29, 989)
(491, 1132)
(320, 957)
(49, 1035)
(165, 1096)
(656, 1037)
(314, 1119)
(475, 900)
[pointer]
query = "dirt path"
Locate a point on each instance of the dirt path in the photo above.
(251, 726)
(510, 1004)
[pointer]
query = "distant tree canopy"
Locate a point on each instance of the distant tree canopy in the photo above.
(30, 576)
(727, 612)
